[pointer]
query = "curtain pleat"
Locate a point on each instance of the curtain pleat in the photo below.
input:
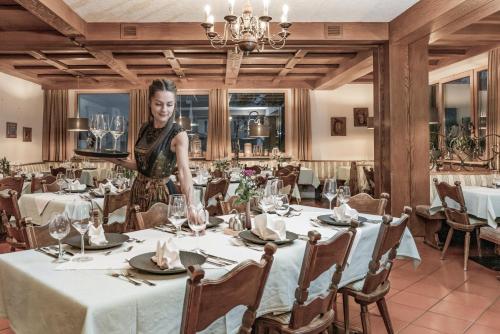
(139, 113)
(55, 114)
(219, 133)
(493, 113)
(301, 124)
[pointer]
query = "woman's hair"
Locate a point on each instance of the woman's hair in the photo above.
(160, 85)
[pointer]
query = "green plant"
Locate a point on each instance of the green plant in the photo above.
(222, 164)
(5, 166)
(247, 187)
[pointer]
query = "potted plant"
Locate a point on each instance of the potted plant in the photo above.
(247, 189)
(5, 166)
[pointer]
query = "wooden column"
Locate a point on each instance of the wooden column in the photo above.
(493, 119)
(402, 125)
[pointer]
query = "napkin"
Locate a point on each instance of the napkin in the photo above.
(269, 229)
(344, 213)
(199, 179)
(103, 186)
(76, 185)
(167, 255)
(96, 235)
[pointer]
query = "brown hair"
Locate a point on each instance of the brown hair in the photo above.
(159, 85)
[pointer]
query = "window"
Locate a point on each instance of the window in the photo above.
(433, 117)
(249, 109)
(457, 108)
(482, 101)
(110, 104)
(192, 114)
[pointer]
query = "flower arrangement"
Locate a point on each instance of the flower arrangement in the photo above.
(247, 188)
(5, 166)
(222, 164)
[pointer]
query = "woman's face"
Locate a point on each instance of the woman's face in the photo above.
(162, 106)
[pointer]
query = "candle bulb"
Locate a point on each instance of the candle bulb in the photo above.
(266, 7)
(212, 21)
(284, 17)
(207, 13)
(231, 7)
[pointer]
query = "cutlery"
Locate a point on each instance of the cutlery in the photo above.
(216, 263)
(46, 253)
(237, 241)
(128, 249)
(136, 240)
(222, 259)
(117, 275)
(294, 209)
(56, 248)
(164, 230)
(145, 281)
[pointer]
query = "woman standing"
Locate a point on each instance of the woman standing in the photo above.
(161, 145)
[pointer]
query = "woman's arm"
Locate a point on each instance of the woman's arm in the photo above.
(127, 163)
(181, 146)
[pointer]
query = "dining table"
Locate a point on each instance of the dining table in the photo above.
(40, 296)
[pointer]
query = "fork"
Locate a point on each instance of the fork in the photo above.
(128, 249)
(145, 281)
(118, 275)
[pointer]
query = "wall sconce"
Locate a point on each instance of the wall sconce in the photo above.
(256, 127)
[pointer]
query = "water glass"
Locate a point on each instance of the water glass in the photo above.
(70, 175)
(102, 126)
(281, 204)
(330, 190)
(117, 129)
(81, 222)
(59, 228)
(344, 194)
(177, 213)
(60, 180)
(198, 223)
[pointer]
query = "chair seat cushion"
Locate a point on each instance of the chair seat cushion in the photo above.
(490, 233)
(423, 211)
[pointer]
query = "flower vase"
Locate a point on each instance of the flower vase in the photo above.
(248, 217)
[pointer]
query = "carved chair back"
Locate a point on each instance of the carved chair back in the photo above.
(113, 202)
(16, 232)
(456, 216)
(215, 187)
(12, 182)
(156, 215)
(50, 187)
(55, 171)
(289, 180)
(36, 182)
(255, 168)
(98, 182)
(217, 174)
(364, 203)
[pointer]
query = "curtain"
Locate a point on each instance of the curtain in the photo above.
(301, 124)
(493, 113)
(219, 133)
(139, 113)
(55, 114)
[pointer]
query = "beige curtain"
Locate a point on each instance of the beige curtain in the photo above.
(55, 114)
(139, 112)
(493, 119)
(300, 111)
(219, 132)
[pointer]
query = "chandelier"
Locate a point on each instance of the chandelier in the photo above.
(247, 31)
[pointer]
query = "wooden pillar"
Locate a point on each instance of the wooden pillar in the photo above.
(402, 125)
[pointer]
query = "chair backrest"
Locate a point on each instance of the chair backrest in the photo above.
(16, 233)
(388, 239)
(364, 203)
(289, 180)
(38, 236)
(98, 182)
(283, 172)
(260, 181)
(370, 178)
(36, 182)
(12, 182)
(243, 285)
(113, 202)
(78, 173)
(255, 168)
(229, 205)
(55, 171)
(9, 206)
(215, 187)
(318, 258)
(156, 215)
(216, 174)
(50, 187)
(457, 216)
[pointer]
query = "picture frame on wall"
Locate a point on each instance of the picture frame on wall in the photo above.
(360, 117)
(11, 130)
(27, 134)
(338, 126)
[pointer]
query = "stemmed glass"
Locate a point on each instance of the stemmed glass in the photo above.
(330, 190)
(102, 126)
(60, 180)
(177, 213)
(278, 187)
(344, 194)
(59, 228)
(198, 223)
(94, 129)
(267, 199)
(281, 204)
(117, 129)
(70, 175)
(81, 222)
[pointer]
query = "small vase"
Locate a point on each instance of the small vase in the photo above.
(248, 217)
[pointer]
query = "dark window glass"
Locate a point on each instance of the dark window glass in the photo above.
(192, 114)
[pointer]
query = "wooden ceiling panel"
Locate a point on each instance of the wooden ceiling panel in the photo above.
(16, 18)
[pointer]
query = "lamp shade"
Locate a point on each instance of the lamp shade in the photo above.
(184, 122)
(369, 123)
(258, 130)
(77, 124)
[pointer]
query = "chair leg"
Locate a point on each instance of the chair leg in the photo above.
(365, 320)
(447, 243)
(345, 305)
(384, 312)
(478, 239)
(466, 253)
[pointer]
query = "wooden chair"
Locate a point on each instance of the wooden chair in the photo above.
(12, 182)
(229, 205)
(364, 203)
(374, 287)
(78, 174)
(98, 182)
(458, 219)
(370, 179)
(260, 181)
(14, 224)
(282, 172)
(217, 174)
(38, 236)
(155, 216)
(315, 315)
(50, 187)
(243, 285)
(55, 171)
(113, 202)
(214, 188)
(36, 182)
(289, 180)
(255, 168)
(432, 224)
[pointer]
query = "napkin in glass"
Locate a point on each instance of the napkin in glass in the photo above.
(103, 186)
(269, 229)
(344, 213)
(167, 255)
(96, 235)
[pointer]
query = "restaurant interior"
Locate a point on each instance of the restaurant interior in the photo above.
(325, 166)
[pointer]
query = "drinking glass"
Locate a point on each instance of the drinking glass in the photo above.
(70, 175)
(59, 228)
(177, 213)
(102, 127)
(278, 187)
(117, 129)
(60, 180)
(198, 223)
(281, 204)
(81, 222)
(94, 130)
(267, 199)
(346, 194)
(330, 190)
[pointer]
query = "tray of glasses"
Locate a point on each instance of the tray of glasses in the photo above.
(105, 153)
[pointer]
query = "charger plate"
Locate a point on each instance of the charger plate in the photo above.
(144, 263)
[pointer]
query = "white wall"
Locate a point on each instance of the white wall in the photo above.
(21, 102)
(358, 143)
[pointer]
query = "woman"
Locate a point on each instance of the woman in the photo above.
(161, 145)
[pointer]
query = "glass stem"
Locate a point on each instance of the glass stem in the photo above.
(82, 251)
(330, 205)
(114, 145)
(60, 250)
(177, 231)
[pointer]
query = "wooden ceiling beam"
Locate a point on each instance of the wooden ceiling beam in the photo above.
(55, 63)
(174, 63)
(297, 57)
(470, 53)
(7, 69)
(106, 57)
(347, 72)
(233, 64)
(33, 40)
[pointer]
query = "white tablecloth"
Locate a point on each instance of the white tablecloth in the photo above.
(308, 177)
(88, 175)
(37, 298)
(481, 202)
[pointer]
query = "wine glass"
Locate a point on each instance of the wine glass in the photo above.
(59, 228)
(80, 220)
(278, 187)
(60, 180)
(177, 213)
(346, 194)
(117, 129)
(102, 127)
(198, 223)
(330, 190)
(267, 199)
(281, 204)
(70, 175)
(94, 130)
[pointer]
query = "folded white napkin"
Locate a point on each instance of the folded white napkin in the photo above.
(199, 179)
(167, 255)
(269, 229)
(103, 186)
(96, 235)
(344, 213)
(76, 185)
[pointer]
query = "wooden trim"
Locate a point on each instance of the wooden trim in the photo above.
(233, 64)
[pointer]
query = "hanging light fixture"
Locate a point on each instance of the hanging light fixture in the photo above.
(77, 124)
(190, 102)
(247, 32)
(256, 127)
(184, 122)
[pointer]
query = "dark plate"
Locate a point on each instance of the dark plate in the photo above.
(89, 168)
(75, 191)
(250, 237)
(212, 222)
(144, 263)
(114, 240)
(101, 154)
(327, 219)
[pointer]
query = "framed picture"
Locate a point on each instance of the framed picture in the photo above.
(26, 134)
(11, 130)
(360, 117)
(338, 126)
